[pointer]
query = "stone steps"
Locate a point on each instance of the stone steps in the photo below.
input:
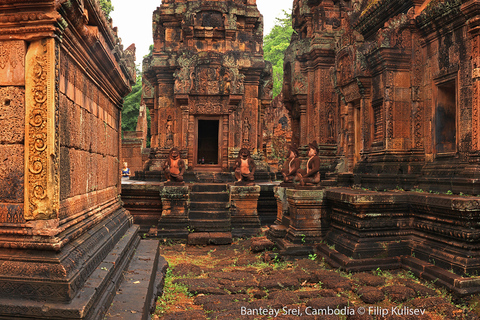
(143, 282)
(103, 285)
(209, 212)
(217, 196)
(209, 187)
(211, 225)
(220, 214)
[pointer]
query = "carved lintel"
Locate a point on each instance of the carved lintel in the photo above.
(41, 136)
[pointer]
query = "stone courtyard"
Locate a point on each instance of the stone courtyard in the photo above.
(239, 280)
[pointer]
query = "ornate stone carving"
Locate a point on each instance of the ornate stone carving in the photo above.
(41, 140)
(147, 90)
(212, 64)
(12, 62)
(208, 108)
(351, 92)
(246, 131)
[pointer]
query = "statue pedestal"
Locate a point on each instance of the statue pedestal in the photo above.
(243, 210)
(309, 219)
(282, 206)
(174, 220)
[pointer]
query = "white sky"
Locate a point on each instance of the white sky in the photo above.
(134, 20)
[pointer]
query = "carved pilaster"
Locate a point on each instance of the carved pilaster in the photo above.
(303, 124)
(185, 117)
(41, 132)
(389, 108)
(225, 144)
(471, 8)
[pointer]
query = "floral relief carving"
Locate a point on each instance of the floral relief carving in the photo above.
(41, 150)
(3, 55)
(12, 63)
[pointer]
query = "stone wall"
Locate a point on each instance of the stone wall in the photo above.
(392, 86)
(89, 144)
(12, 132)
(63, 74)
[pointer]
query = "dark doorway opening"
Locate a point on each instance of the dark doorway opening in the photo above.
(207, 142)
(445, 118)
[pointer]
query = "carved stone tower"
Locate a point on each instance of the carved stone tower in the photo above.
(206, 83)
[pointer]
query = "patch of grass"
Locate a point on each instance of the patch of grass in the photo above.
(172, 293)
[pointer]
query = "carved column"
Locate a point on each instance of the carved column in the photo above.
(42, 146)
(471, 9)
(388, 109)
(224, 143)
(303, 125)
(350, 137)
(476, 93)
(191, 139)
(185, 116)
(261, 114)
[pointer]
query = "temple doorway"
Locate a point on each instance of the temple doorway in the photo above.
(208, 131)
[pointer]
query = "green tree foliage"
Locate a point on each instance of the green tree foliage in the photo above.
(131, 106)
(274, 45)
(107, 7)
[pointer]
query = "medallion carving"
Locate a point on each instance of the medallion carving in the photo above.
(41, 136)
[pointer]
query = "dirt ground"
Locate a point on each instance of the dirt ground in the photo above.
(232, 282)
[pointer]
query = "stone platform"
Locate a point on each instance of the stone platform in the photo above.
(210, 210)
(359, 230)
(94, 298)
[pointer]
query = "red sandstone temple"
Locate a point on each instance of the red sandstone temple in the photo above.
(65, 238)
(206, 83)
(391, 86)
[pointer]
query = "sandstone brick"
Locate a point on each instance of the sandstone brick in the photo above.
(12, 115)
(11, 173)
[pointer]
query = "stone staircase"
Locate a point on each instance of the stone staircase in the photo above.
(330, 180)
(209, 214)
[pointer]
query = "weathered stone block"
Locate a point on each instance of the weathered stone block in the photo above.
(243, 210)
(282, 203)
(175, 205)
(309, 219)
(12, 114)
(11, 173)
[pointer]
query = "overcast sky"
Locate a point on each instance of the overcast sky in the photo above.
(134, 20)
